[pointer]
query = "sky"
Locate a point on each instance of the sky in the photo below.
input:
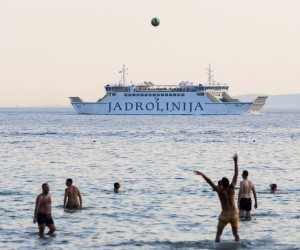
(51, 50)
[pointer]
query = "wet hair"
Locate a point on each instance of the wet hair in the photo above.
(44, 184)
(225, 182)
(70, 180)
(245, 172)
(273, 187)
(117, 185)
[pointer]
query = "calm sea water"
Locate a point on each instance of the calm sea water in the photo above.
(162, 204)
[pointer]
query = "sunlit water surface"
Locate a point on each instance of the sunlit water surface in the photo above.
(162, 204)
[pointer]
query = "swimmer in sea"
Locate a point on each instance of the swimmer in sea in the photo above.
(42, 212)
(273, 188)
(72, 194)
(226, 197)
(116, 187)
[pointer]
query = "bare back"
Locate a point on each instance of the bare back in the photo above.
(227, 199)
(72, 193)
(245, 188)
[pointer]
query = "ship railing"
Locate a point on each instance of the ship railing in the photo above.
(167, 90)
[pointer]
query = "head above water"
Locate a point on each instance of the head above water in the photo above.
(225, 182)
(117, 185)
(273, 187)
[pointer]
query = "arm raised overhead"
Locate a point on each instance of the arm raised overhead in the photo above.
(234, 178)
(215, 188)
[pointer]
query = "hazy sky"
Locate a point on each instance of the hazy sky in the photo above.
(50, 50)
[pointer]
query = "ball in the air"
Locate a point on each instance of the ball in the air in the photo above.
(155, 21)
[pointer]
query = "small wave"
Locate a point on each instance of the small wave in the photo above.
(35, 133)
(202, 244)
(262, 214)
(8, 193)
(57, 162)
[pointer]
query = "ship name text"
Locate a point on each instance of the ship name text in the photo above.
(155, 106)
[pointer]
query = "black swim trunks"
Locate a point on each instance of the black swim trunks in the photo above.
(245, 204)
(44, 219)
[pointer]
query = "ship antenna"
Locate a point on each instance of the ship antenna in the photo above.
(123, 71)
(124, 77)
(209, 73)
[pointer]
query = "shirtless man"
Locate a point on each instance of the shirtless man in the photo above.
(71, 194)
(244, 198)
(42, 212)
(226, 196)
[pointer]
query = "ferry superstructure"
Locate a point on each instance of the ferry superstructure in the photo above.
(186, 98)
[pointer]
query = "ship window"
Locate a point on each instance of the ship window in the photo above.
(182, 94)
(178, 94)
(174, 94)
(125, 94)
(158, 94)
(133, 94)
(142, 94)
(154, 94)
(150, 94)
(146, 94)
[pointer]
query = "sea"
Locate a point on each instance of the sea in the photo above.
(162, 204)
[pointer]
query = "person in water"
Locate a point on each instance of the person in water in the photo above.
(116, 187)
(226, 192)
(72, 194)
(42, 212)
(244, 197)
(273, 188)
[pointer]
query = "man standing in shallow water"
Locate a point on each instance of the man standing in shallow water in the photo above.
(72, 194)
(244, 198)
(42, 212)
(226, 196)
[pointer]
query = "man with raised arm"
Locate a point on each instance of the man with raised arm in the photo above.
(226, 196)
(72, 194)
(42, 212)
(244, 198)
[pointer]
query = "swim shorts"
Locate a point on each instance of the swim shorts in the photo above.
(229, 217)
(245, 204)
(44, 219)
(72, 206)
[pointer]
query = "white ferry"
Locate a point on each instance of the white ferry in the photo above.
(186, 98)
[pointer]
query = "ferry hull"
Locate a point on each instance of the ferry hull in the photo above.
(161, 108)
